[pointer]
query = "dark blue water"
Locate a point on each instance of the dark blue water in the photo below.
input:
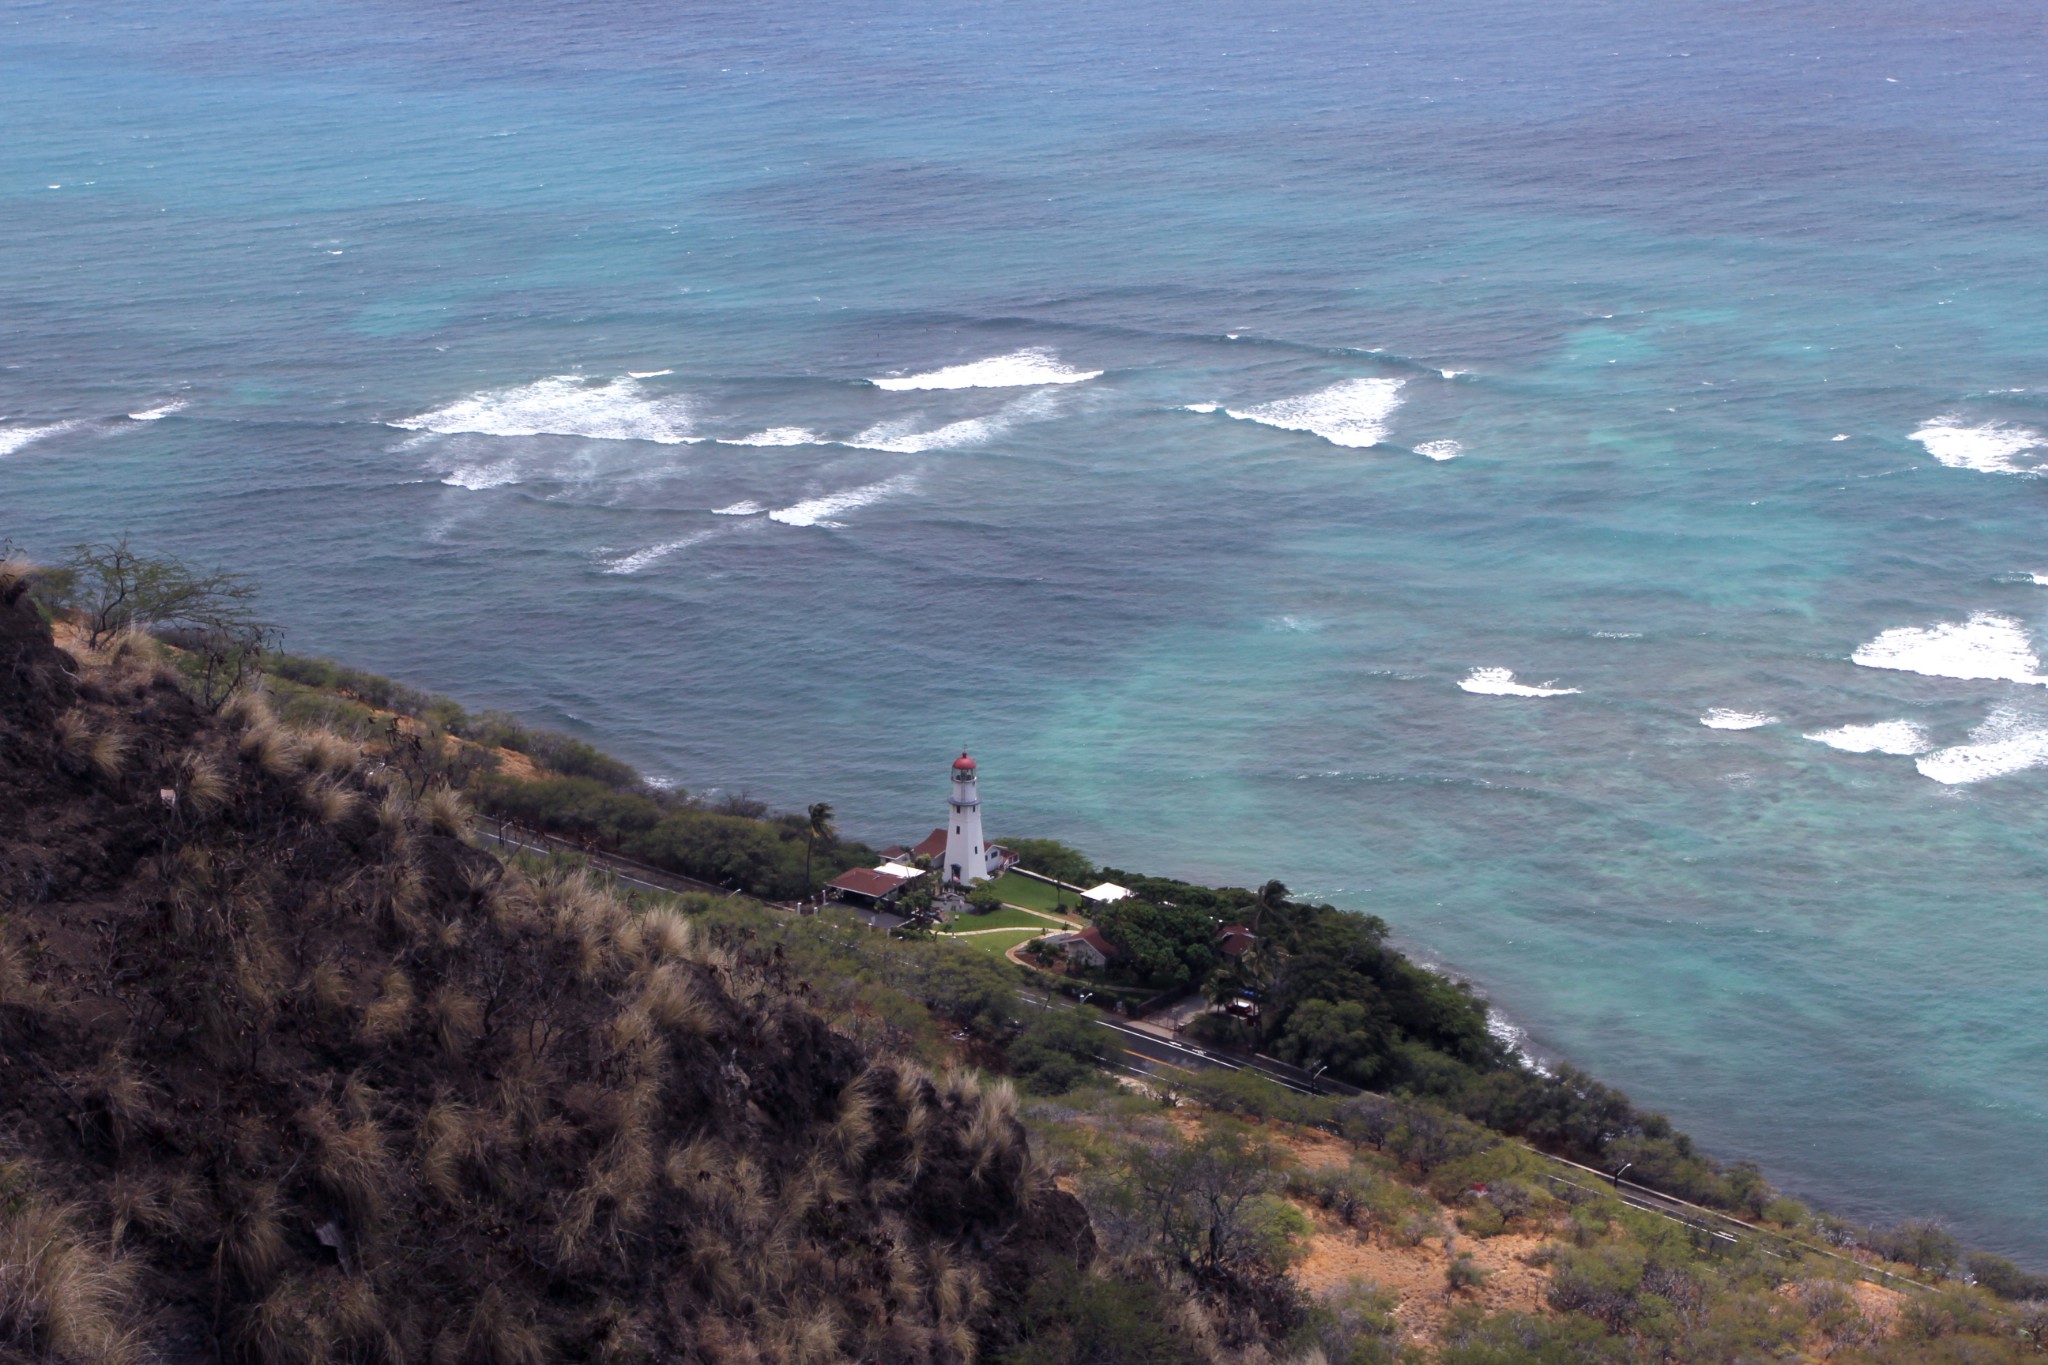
(526, 351)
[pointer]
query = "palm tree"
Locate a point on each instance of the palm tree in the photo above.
(1271, 896)
(821, 828)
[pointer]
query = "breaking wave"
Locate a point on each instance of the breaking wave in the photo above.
(158, 413)
(653, 554)
(2007, 742)
(778, 436)
(1352, 413)
(819, 511)
(1884, 737)
(1725, 718)
(746, 508)
(15, 438)
(1989, 448)
(1500, 682)
(1029, 367)
(1440, 450)
(1985, 646)
(564, 405)
(482, 476)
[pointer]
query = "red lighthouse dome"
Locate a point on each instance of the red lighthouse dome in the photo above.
(963, 764)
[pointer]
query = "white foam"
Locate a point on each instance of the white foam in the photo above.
(1725, 718)
(478, 477)
(2039, 580)
(1884, 737)
(899, 437)
(1452, 374)
(1500, 682)
(157, 414)
(1352, 413)
(1440, 450)
(653, 554)
(819, 511)
(1202, 407)
(1617, 635)
(1031, 366)
(15, 438)
(1989, 448)
(2007, 742)
(564, 405)
(778, 436)
(1985, 646)
(739, 509)
(647, 374)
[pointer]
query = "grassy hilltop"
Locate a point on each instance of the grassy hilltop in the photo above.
(291, 1070)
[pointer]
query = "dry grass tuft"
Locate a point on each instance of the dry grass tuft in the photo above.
(327, 988)
(252, 1240)
(853, 1132)
(99, 749)
(328, 801)
(456, 1016)
(269, 747)
(206, 788)
(498, 1335)
(323, 751)
(446, 812)
(350, 1160)
(282, 1328)
(667, 934)
(387, 1016)
(671, 998)
(249, 708)
(124, 1097)
(59, 1297)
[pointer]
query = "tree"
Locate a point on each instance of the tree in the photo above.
(116, 589)
(1167, 945)
(983, 898)
(207, 615)
(1199, 1196)
(1059, 1050)
(820, 816)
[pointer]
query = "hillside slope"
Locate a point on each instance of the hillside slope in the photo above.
(289, 1072)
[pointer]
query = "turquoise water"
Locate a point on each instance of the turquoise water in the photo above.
(1681, 283)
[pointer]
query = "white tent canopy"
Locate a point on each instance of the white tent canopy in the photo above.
(900, 870)
(1105, 893)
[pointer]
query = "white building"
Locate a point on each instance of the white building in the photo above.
(968, 858)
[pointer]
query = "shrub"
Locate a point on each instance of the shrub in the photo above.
(1059, 1051)
(1465, 1273)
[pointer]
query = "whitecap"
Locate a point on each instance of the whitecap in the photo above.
(1617, 635)
(1440, 450)
(564, 405)
(1726, 718)
(647, 374)
(478, 477)
(778, 436)
(653, 554)
(2007, 742)
(1452, 374)
(1985, 646)
(1500, 682)
(1989, 448)
(1884, 737)
(1352, 413)
(745, 508)
(157, 414)
(818, 511)
(15, 438)
(1201, 407)
(1029, 367)
(2039, 580)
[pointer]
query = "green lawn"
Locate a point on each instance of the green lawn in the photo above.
(995, 945)
(1003, 918)
(1035, 895)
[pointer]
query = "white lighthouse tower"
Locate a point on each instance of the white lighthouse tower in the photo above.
(967, 855)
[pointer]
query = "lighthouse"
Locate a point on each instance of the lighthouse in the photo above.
(967, 856)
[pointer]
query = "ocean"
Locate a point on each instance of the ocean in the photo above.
(1564, 478)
